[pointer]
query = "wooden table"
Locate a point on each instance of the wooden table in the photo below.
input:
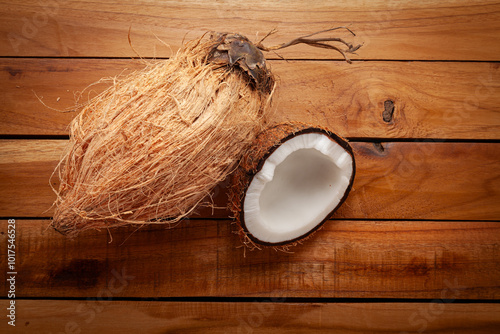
(415, 248)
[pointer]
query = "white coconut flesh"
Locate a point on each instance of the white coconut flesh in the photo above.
(298, 186)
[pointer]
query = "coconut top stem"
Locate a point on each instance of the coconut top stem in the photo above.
(238, 51)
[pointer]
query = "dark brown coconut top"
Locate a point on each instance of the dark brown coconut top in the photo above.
(237, 50)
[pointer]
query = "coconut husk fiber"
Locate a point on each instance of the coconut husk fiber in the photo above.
(151, 147)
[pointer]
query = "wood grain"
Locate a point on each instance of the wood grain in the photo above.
(425, 180)
(431, 100)
(26, 167)
(154, 317)
(400, 180)
(431, 30)
(351, 259)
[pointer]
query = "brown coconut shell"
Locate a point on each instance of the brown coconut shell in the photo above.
(264, 145)
(152, 146)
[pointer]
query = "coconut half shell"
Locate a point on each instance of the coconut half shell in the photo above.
(291, 181)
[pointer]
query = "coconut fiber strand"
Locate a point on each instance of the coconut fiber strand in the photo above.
(152, 146)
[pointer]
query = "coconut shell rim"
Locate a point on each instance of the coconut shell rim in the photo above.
(251, 174)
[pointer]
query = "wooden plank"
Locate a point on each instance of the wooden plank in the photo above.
(26, 167)
(444, 30)
(28, 84)
(397, 180)
(351, 259)
(95, 316)
(426, 180)
(431, 100)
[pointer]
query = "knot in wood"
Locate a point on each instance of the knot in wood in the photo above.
(388, 111)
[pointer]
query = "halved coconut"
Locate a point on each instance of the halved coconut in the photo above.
(290, 183)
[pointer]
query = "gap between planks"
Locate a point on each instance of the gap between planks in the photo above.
(159, 317)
